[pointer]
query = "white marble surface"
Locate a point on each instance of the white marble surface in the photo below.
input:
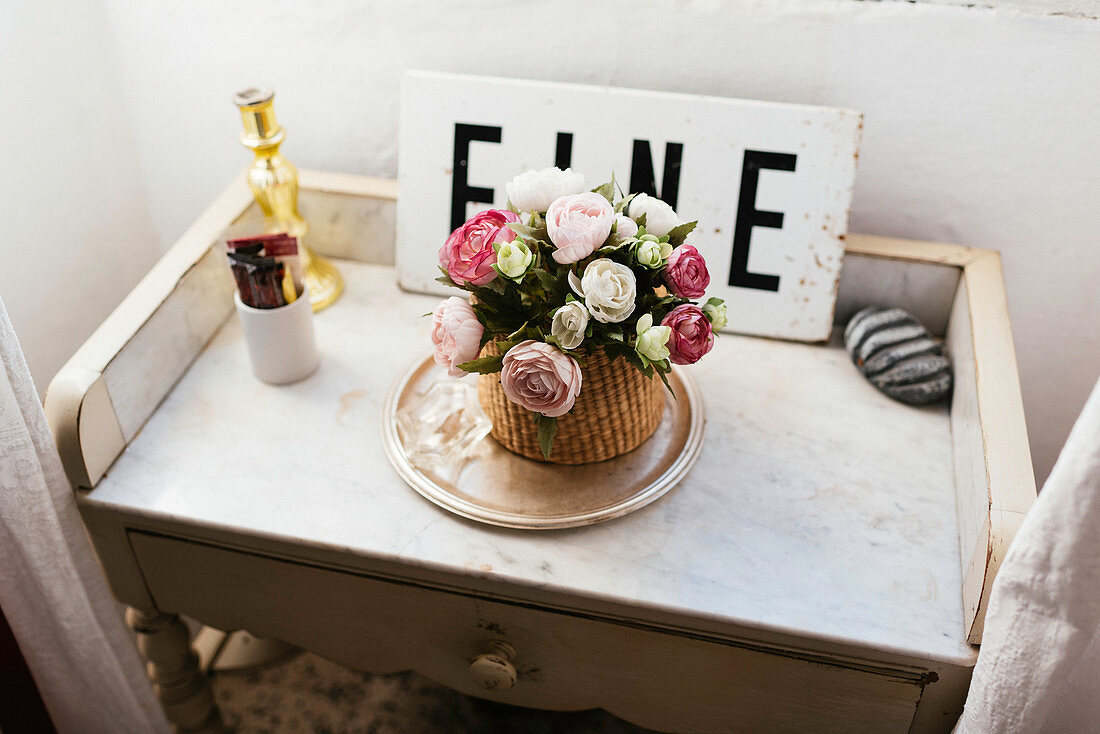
(818, 505)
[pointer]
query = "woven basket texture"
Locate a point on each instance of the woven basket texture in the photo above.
(618, 408)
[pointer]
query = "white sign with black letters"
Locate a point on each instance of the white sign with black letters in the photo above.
(770, 184)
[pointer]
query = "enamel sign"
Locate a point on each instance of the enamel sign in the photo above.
(770, 184)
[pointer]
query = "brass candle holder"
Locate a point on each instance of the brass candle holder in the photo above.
(274, 182)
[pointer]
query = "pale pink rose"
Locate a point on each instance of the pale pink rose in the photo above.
(456, 335)
(686, 273)
(468, 253)
(692, 336)
(541, 378)
(625, 226)
(577, 224)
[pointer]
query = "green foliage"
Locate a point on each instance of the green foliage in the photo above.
(677, 235)
(445, 279)
(607, 191)
(484, 365)
(624, 203)
(529, 231)
(547, 428)
(663, 368)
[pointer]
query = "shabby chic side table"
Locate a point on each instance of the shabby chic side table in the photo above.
(824, 567)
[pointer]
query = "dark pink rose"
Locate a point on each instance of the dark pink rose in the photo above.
(691, 336)
(686, 274)
(468, 253)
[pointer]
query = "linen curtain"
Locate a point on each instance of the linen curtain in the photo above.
(1039, 665)
(52, 590)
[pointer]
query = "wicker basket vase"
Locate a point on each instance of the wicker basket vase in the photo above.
(618, 409)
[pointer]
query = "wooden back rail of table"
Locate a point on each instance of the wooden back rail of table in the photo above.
(652, 668)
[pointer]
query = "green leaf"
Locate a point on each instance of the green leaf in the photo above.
(677, 235)
(504, 345)
(617, 244)
(664, 378)
(622, 205)
(521, 229)
(607, 191)
(516, 336)
(445, 279)
(640, 221)
(536, 230)
(547, 428)
(546, 279)
(484, 365)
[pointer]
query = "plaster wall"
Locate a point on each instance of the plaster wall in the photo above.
(980, 122)
(77, 232)
(980, 128)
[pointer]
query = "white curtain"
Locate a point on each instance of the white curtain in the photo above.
(1039, 665)
(52, 591)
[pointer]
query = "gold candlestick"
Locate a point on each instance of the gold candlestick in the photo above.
(274, 183)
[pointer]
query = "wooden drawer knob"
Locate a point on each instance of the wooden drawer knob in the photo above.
(493, 669)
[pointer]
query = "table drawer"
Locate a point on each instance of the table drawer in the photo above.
(667, 680)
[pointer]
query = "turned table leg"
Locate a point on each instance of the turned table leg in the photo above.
(184, 690)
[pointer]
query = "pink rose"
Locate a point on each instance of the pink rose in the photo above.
(625, 226)
(456, 335)
(691, 337)
(686, 273)
(577, 224)
(468, 253)
(541, 378)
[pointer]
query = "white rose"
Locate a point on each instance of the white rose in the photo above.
(536, 190)
(569, 324)
(652, 341)
(513, 259)
(660, 218)
(650, 252)
(608, 289)
(715, 311)
(625, 227)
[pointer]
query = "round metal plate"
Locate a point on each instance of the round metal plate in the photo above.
(500, 488)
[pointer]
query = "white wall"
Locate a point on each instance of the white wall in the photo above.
(77, 233)
(980, 122)
(980, 128)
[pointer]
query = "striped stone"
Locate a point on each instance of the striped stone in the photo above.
(897, 354)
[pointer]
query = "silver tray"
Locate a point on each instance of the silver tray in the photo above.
(501, 488)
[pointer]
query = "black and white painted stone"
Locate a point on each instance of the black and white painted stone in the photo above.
(897, 354)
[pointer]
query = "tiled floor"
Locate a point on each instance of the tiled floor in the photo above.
(307, 694)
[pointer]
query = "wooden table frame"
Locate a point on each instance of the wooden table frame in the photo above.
(102, 397)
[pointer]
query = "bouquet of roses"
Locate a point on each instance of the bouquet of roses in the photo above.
(562, 273)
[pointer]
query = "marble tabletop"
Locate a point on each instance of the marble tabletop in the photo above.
(817, 506)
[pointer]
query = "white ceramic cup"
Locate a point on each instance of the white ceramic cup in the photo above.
(281, 343)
